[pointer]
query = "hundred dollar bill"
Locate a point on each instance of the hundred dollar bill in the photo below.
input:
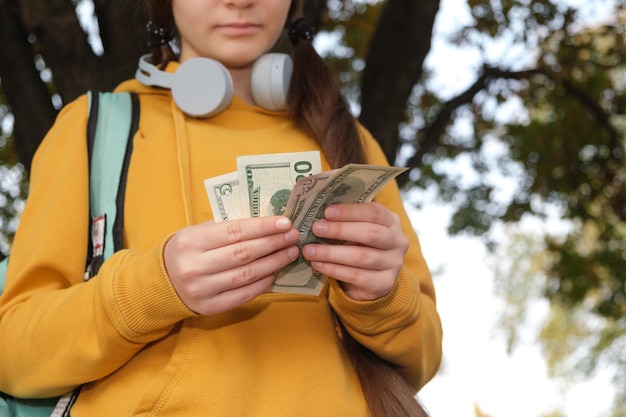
(267, 180)
(225, 197)
(354, 183)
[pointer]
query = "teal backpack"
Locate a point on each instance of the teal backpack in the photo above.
(113, 121)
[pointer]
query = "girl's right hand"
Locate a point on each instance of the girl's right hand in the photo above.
(215, 267)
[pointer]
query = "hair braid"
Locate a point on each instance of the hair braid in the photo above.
(317, 106)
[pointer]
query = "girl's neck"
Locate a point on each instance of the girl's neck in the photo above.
(241, 83)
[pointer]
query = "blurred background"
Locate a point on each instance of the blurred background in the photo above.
(511, 115)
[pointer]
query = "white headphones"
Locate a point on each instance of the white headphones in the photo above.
(202, 87)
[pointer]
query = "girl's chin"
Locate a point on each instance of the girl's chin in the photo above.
(239, 62)
(231, 57)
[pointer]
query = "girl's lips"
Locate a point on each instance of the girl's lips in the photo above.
(238, 28)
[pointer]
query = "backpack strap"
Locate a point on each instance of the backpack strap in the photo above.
(3, 272)
(113, 122)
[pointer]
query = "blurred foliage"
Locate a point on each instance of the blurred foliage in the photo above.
(568, 150)
(576, 341)
(555, 413)
(13, 184)
(478, 412)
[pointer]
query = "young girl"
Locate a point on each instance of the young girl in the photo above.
(180, 323)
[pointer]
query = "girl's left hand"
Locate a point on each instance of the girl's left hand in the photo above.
(369, 261)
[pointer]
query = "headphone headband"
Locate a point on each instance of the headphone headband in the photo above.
(203, 87)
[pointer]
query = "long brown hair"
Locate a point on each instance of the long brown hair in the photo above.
(316, 105)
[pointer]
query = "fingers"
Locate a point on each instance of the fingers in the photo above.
(242, 253)
(235, 297)
(243, 275)
(359, 284)
(364, 212)
(217, 266)
(213, 247)
(369, 224)
(216, 293)
(357, 256)
(216, 235)
(368, 280)
(368, 265)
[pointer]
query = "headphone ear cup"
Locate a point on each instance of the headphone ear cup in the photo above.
(271, 75)
(202, 87)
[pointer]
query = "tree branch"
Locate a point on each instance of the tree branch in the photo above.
(431, 135)
(598, 112)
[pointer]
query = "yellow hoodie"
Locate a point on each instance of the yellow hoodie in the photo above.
(126, 335)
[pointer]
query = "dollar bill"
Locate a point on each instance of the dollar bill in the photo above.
(293, 185)
(271, 175)
(354, 183)
(268, 179)
(225, 197)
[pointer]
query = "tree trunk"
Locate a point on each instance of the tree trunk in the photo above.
(21, 83)
(123, 32)
(394, 66)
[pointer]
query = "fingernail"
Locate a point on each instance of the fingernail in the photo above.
(320, 226)
(331, 213)
(292, 235)
(293, 252)
(283, 223)
(308, 251)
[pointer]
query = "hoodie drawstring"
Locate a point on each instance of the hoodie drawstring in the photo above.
(182, 147)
